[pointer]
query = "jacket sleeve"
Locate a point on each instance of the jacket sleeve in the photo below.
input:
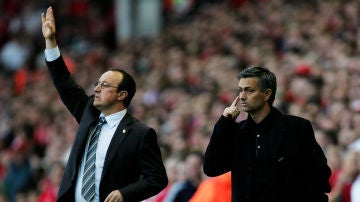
(71, 94)
(153, 174)
(218, 155)
(316, 170)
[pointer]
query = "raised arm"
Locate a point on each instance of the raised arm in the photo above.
(72, 95)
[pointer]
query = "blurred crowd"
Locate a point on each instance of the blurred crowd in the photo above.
(185, 78)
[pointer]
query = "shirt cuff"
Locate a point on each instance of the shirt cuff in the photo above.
(52, 54)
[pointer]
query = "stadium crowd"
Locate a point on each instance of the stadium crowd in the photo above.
(185, 78)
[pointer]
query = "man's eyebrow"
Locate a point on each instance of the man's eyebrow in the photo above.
(246, 87)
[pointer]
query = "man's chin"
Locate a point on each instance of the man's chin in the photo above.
(96, 104)
(244, 109)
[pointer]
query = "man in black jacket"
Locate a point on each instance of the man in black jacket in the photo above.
(128, 164)
(273, 157)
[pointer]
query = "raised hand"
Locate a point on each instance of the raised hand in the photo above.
(49, 28)
(232, 111)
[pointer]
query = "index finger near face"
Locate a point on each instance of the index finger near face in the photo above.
(235, 102)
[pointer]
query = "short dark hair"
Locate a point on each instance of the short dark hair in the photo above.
(267, 79)
(127, 83)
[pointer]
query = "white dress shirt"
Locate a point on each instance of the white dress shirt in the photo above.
(52, 54)
(106, 134)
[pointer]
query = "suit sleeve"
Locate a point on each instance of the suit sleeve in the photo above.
(316, 169)
(153, 174)
(72, 95)
(219, 153)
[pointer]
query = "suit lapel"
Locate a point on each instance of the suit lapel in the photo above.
(120, 135)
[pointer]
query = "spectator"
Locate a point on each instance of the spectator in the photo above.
(19, 173)
(50, 184)
(355, 188)
(184, 189)
(214, 189)
(341, 180)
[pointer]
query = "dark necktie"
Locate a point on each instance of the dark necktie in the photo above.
(88, 180)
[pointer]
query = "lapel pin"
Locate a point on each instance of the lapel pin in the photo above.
(281, 159)
(124, 131)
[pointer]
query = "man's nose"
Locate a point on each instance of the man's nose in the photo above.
(97, 88)
(242, 95)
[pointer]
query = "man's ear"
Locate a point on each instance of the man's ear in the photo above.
(267, 93)
(122, 95)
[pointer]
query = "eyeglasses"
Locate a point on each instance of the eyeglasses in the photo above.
(104, 85)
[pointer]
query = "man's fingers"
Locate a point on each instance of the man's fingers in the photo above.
(47, 16)
(50, 14)
(235, 102)
(114, 196)
(43, 18)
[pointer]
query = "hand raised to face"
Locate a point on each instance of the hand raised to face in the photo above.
(232, 111)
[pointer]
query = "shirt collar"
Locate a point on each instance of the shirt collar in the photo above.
(265, 122)
(114, 119)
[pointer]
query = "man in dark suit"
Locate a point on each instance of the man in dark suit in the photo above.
(128, 164)
(272, 157)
